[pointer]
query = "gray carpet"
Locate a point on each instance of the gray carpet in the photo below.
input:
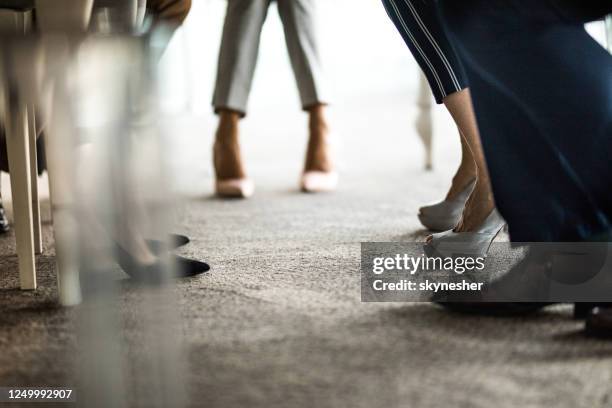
(278, 321)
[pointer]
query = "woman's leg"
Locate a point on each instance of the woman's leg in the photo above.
(237, 59)
(419, 24)
(318, 155)
(542, 92)
(299, 23)
(421, 29)
(481, 203)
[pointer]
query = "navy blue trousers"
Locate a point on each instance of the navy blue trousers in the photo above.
(542, 93)
(420, 25)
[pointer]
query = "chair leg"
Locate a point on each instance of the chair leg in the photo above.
(64, 225)
(34, 181)
(18, 154)
(424, 125)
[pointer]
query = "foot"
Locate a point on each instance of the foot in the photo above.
(464, 177)
(446, 214)
(158, 272)
(318, 154)
(477, 209)
(319, 171)
(231, 179)
(226, 150)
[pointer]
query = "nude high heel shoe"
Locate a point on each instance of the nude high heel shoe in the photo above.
(474, 243)
(235, 188)
(319, 181)
(242, 187)
(445, 215)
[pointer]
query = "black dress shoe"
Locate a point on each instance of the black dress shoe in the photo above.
(599, 322)
(512, 294)
(4, 224)
(159, 272)
(173, 241)
(583, 309)
(530, 284)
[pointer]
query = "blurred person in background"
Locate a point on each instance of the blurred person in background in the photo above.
(169, 13)
(142, 259)
(237, 59)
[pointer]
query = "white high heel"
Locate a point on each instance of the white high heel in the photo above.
(445, 215)
(235, 188)
(319, 181)
(475, 243)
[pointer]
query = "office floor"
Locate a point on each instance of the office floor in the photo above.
(278, 321)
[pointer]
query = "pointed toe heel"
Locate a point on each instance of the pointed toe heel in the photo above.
(445, 215)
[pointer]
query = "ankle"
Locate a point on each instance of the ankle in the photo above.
(227, 130)
(483, 192)
(467, 168)
(229, 116)
(317, 121)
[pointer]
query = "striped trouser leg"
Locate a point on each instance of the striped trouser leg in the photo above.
(421, 28)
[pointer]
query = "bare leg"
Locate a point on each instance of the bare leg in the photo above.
(318, 155)
(227, 158)
(481, 202)
(466, 172)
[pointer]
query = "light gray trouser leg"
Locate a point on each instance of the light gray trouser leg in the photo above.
(299, 23)
(238, 54)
